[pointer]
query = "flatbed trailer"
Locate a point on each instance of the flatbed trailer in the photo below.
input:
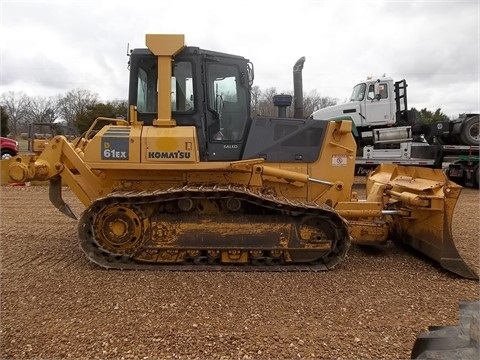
(460, 162)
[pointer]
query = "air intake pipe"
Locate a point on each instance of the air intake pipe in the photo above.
(282, 102)
(298, 88)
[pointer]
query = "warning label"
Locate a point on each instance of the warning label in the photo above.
(339, 160)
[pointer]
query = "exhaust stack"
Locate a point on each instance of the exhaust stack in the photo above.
(298, 88)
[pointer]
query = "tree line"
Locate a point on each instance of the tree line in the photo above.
(78, 108)
(18, 110)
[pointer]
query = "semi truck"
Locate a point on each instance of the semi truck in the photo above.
(386, 131)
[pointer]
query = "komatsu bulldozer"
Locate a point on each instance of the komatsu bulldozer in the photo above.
(190, 181)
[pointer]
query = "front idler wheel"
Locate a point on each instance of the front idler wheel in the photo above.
(120, 229)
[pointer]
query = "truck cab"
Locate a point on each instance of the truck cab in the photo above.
(379, 112)
(371, 104)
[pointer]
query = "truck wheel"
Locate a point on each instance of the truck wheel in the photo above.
(470, 134)
(7, 154)
(456, 172)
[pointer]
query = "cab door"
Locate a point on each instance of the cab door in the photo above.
(378, 104)
(227, 109)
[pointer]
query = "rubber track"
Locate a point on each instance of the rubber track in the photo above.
(285, 206)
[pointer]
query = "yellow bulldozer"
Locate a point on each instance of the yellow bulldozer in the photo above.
(191, 181)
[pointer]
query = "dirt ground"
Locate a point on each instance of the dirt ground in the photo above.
(57, 305)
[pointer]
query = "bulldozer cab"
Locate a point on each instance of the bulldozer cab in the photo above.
(209, 90)
(174, 85)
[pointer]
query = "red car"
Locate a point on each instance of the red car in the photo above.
(8, 147)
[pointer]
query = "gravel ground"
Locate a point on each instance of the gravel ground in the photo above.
(57, 305)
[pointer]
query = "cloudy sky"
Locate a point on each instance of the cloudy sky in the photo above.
(51, 47)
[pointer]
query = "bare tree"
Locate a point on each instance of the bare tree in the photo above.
(262, 102)
(313, 101)
(265, 105)
(75, 103)
(43, 110)
(15, 105)
(255, 95)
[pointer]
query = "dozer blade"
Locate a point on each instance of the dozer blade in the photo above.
(423, 201)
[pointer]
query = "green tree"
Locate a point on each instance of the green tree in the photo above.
(4, 130)
(111, 109)
(429, 117)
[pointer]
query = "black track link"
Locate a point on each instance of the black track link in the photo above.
(285, 206)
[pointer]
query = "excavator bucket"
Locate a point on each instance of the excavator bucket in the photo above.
(420, 203)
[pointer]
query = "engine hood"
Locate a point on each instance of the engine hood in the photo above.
(345, 109)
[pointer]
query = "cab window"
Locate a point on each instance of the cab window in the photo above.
(358, 92)
(382, 91)
(226, 100)
(147, 85)
(182, 87)
(182, 95)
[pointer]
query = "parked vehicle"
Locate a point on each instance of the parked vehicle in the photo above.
(386, 131)
(379, 110)
(9, 148)
(39, 134)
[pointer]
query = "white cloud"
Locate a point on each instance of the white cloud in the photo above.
(51, 47)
